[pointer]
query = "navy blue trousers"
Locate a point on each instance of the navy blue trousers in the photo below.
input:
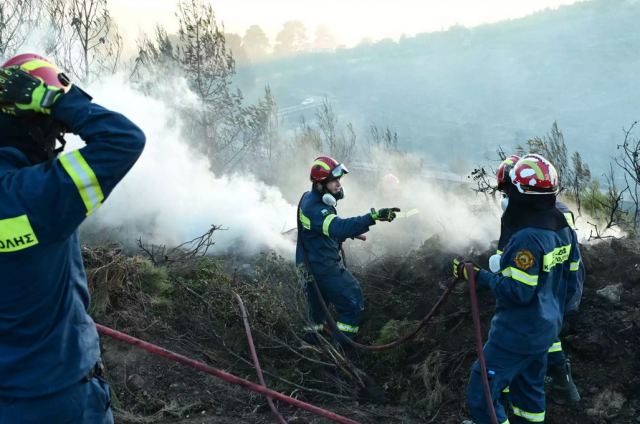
(344, 292)
(522, 373)
(87, 402)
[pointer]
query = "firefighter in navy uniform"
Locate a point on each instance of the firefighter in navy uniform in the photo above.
(560, 381)
(50, 368)
(537, 279)
(321, 233)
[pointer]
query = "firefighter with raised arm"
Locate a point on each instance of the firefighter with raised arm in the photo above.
(50, 370)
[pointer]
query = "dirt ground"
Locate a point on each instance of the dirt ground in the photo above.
(422, 382)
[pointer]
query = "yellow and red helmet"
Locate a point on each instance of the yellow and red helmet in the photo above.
(502, 174)
(533, 174)
(326, 168)
(42, 68)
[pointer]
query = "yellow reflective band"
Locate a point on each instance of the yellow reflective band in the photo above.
(322, 164)
(569, 217)
(535, 168)
(520, 276)
(16, 234)
(347, 328)
(326, 223)
(559, 255)
(556, 347)
(37, 63)
(85, 180)
(306, 222)
(498, 252)
(574, 266)
(534, 417)
(506, 390)
(316, 327)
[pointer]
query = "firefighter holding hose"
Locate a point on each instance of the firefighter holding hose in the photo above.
(537, 280)
(559, 377)
(50, 368)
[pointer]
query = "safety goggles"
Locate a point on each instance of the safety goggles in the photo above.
(339, 171)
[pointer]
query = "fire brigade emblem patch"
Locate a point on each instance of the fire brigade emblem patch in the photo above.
(524, 260)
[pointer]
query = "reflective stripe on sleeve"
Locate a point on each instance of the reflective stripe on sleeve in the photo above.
(568, 216)
(326, 223)
(84, 178)
(306, 222)
(520, 276)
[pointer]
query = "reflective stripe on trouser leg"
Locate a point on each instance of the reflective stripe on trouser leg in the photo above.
(314, 327)
(343, 291)
(498, 380)
(534, 417)
(556, 347)
(346, 328)
(527, 390)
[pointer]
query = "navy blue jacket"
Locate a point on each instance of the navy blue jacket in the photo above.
(538, 277)
(574, 302)
(47, 340)
(323, 232)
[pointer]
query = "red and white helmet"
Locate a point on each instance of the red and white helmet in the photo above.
(503, 171)
(533, 174)
(40, 67)
(326, 168)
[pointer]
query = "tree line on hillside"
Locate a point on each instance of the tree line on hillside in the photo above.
(84, 39)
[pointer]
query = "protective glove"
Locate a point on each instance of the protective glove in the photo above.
(384, 214)
(22, 93)
(459, 269)
(494, 263)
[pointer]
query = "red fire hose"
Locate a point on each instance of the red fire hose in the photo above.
(229, 378)
(334, 327)
(254, 357)
(332, 323)
(475, 312)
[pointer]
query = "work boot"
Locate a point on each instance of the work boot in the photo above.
(562, 389)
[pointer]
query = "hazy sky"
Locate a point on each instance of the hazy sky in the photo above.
(349, 20)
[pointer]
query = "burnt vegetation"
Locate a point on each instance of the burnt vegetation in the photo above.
(182, 298)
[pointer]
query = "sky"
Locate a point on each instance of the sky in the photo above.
(350, 21)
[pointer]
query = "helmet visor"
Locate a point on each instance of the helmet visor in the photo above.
(339, 171)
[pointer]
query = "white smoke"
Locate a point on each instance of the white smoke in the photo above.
(171, 196)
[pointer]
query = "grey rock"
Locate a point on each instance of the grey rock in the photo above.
(612, 293)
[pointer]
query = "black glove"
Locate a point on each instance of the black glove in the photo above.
(22, 93)
(460, 270)
(384, 214)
